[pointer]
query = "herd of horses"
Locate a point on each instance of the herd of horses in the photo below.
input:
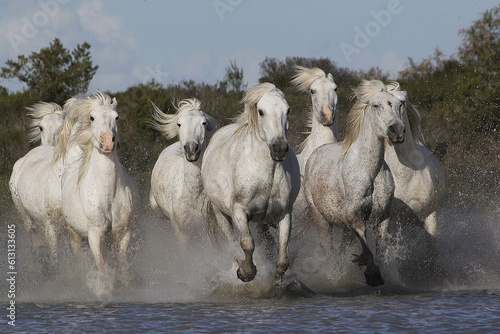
(223, 180)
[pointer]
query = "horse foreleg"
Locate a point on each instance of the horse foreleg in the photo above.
(96, 238)
(247, 270)
(284, 235)
(372, 273)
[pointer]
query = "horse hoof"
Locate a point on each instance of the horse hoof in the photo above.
(374, 279)
(248, 277)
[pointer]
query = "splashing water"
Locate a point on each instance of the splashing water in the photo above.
(468, 254)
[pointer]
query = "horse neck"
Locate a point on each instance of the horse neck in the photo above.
(367, 151)
(321, 134)
(405, 151)
(104, 168)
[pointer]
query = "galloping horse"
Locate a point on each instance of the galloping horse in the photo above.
(176, 187)
(418, 176)
(98, 195)
(322, 121)
(349, 184)
(250, 175)
(32, 182)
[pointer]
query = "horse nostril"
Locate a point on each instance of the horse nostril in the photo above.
(113, 139)
(391, 129)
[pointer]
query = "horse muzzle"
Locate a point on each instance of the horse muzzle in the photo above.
(327, 116)
(192, 152)
(279, 149)
(107, 143)
(396, 133)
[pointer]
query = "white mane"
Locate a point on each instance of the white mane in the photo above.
(250, 99)
(304, 77)
(167, 123)
(78, 108)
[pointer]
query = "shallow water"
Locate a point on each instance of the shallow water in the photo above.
(197, 290)
(464, 312)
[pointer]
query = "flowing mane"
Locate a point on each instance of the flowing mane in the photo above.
(36, 113)
(412, 112)
(167, 123)
(80, 109)
(363, 94)
(250, 99)
(304, 77)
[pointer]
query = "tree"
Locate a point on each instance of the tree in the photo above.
(233, 79)
(54, 74)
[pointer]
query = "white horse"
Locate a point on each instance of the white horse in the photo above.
(349, 184)
(322, 121)
(30, 175)
(418, 176)
(176, 187)
(98, 195)
(250, 174)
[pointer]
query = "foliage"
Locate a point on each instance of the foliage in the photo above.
(233, 80)
(457, 98)
(55, 73)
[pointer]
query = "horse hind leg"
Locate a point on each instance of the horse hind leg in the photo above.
(217, 221)
(284, 236)
(430, 227)
(123, 261)
(266, 238)
(372, 272)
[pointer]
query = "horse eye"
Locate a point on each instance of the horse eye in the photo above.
(41, 129)
(312, 91)
(179, 124)
(204, 123)
(376, 105)
(335, 88)
(261, 112)
(117, 117)
(92, 118)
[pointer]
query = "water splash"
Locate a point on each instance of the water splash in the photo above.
(468, 258)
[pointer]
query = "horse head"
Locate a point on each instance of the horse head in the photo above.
(324, 99)
(194, 130)
(50, 126)
(104, 127)
(46, 123)
(267, 112)
(389, 110)
(323, 92)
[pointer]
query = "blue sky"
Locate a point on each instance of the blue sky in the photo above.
(171, 40)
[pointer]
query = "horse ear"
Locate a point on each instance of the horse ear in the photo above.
(211, 125)
(330, 76)
(114, 103)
